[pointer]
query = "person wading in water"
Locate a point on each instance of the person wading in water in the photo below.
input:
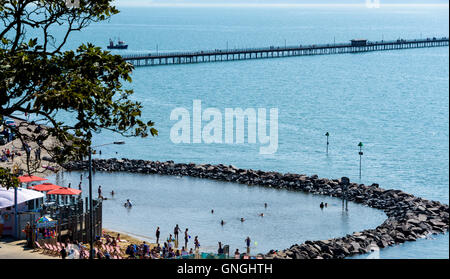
(175, 232)
(186, 238)
(157, 235)
(248, 241)
(196, 243)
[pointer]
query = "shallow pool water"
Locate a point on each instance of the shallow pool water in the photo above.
(290, 217)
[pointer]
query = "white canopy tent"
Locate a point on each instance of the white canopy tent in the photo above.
(23, 195)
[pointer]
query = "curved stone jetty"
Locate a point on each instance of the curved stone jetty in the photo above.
(409, 217)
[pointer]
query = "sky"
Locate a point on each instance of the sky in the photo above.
(269, 2)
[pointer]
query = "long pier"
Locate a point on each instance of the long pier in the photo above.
(219, 55)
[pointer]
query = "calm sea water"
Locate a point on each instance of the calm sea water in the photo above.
(395, 102)
(164, 201)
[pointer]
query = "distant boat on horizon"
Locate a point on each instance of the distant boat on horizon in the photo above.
(120, 45)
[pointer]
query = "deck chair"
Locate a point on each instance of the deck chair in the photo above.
(37, 247)
(48, 249)
(55, 249)
(119, 252)
(59, 245)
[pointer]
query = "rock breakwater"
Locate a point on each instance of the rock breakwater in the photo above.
(409, 217)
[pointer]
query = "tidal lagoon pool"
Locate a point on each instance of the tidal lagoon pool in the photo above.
(290, 217)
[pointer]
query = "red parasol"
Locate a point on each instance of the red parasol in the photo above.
(64, 191)
(45, 187)
(30, 178)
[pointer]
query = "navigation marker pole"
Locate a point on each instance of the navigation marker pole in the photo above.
(360, 158)
(328, 143)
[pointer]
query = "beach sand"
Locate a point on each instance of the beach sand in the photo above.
(15, 249)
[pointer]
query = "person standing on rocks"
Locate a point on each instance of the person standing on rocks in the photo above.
(99, 191)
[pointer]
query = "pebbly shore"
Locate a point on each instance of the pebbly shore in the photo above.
(409, 217)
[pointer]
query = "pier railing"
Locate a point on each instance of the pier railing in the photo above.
(216, 55)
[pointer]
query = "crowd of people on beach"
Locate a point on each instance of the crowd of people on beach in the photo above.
(7, 155)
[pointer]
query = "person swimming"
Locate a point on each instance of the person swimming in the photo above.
(261, 214)
(222, 222)
(128, 204)
(112, 193)
(242, 219)
(212, 211)
(321, 205)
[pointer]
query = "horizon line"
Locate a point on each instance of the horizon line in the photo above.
(273, 5)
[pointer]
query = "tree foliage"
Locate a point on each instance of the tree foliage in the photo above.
(38, 77)
(8, 179)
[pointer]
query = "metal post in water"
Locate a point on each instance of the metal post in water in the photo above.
(360, 158)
